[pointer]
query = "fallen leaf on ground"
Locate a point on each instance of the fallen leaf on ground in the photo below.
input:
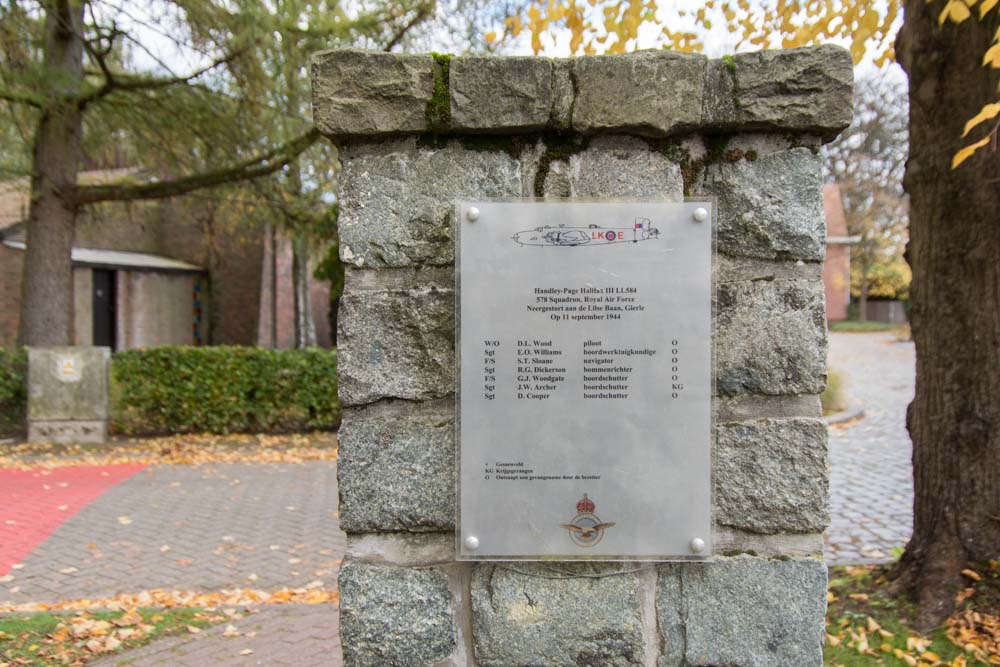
(131, 617)
(231, 631)
(186, 449)
(157, 597)
(124, 520)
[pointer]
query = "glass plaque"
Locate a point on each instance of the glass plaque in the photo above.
(585, 380)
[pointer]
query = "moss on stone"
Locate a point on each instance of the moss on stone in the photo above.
(729, 62)
(439, 106)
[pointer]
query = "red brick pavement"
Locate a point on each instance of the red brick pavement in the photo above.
(33, 503)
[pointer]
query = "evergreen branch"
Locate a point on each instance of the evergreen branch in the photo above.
(18, 97)
(260, 165)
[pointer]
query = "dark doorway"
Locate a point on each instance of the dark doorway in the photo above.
(104, 308)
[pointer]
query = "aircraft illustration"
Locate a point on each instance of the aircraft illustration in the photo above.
(561, 235)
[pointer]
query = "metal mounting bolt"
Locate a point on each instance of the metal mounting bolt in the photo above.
(472, 214)
(700, 214)
(472, 543)
(697, 545)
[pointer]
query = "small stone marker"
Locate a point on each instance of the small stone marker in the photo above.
(68, 394)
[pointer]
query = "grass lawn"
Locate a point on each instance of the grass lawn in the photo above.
(867, 627)
(46, 638)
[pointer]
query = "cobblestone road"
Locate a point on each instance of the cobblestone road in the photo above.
(871, 484)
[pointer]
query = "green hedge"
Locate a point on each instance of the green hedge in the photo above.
(13, 396)
(223, 390)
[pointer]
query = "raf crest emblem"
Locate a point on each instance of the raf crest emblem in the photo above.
(586, 529)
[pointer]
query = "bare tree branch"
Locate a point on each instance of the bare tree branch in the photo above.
(423, 12)
(260, 165)
(127, 82)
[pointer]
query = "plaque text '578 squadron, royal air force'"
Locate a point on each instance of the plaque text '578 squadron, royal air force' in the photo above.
(585, 381)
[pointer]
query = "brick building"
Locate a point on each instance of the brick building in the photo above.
(163, 273)
(837, 265)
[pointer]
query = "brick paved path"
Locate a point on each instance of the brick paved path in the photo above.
(293, 635)
(871, 485)
(205, 528)
(33, 503)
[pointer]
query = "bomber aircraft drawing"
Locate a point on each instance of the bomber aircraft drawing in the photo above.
(561, 235)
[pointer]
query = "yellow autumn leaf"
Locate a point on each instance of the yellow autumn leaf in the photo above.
(490, 37)
(964, 154)
(972, 574)
(985, 6)
(992, 56)
(986, 113)
(955, 11)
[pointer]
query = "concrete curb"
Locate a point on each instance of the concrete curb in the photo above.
(850, 414)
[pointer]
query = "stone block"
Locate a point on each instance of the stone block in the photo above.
(654, 93)
(807, 89)
(742, 611)
(719, 103)
(394, 617)
(370, 93)
(404, 548)
(771, 207)
(771, 476)
(503, 94)
(770, 338)
(398, 199)
(68, 432)
(623, 167)
(396, 468)
(532, 614)
(395, 343)
(68, 384)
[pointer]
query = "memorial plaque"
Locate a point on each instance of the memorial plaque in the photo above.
(585, 380)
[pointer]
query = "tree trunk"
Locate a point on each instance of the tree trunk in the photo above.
(305, 324)
(863, 298)
(47, 287)
(954, 251)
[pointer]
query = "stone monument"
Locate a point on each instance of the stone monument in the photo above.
(68, 394)
(418, 133)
